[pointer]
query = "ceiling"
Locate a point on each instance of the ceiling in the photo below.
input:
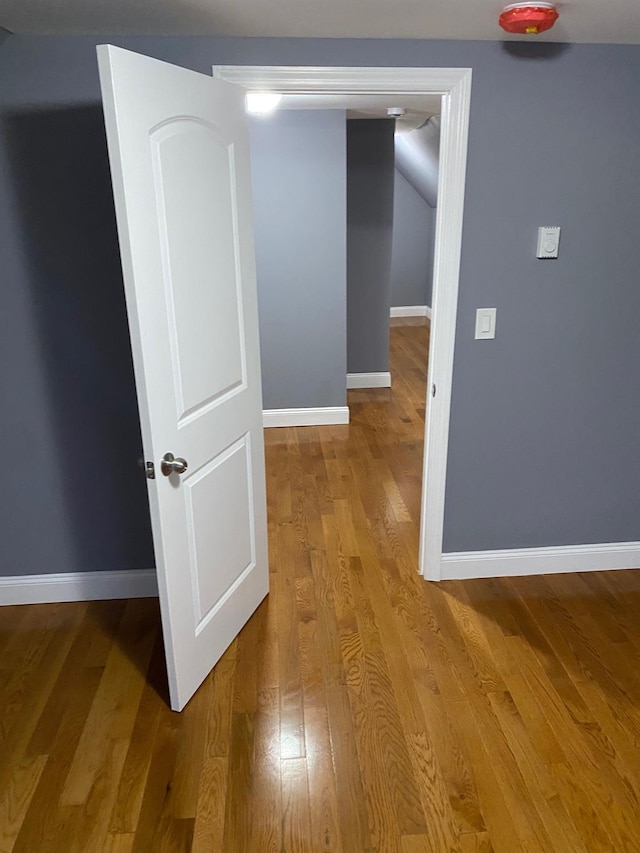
(418, 108)
(604, 21)
(374, 105)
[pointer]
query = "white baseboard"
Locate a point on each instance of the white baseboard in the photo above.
(78, 586)
(305, 417)
(368, 380)
(411, 311)
(540, 561)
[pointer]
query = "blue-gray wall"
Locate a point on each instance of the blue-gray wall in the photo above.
(73, 497)
(545, 419)
(412, 250)
(298, 160)
(370, 171)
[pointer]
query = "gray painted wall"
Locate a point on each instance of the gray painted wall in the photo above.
(74, 499)
(545, 419)
(299, 193)
(4, 35)
(412, 251)
(370, 172)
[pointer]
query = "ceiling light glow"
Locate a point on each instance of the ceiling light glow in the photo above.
(262, 103)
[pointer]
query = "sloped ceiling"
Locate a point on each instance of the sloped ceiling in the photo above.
(584, 21)
(417, 159)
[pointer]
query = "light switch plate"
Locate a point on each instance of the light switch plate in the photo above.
(548, 241)
(485, 324)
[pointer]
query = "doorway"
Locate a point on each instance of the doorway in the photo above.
(408, 87)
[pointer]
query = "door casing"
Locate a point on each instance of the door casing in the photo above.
(454, 87)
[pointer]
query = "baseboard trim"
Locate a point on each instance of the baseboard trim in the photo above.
(78, 586)
(541, 561)
(368, 380)
(322, 416)
(411, 311)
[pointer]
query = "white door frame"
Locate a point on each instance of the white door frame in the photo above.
(454, 85)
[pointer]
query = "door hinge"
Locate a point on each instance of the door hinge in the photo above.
(433, 390)
(150, 470)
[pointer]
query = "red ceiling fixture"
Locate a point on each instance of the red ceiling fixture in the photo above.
(528, 18)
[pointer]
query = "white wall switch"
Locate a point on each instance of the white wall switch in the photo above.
(548, 241)
(485, 324)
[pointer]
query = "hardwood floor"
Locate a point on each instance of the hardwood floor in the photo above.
(361, 709)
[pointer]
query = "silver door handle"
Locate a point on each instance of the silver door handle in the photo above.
(173, 465)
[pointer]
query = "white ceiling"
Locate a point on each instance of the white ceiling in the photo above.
(580, 20)
(418, 107)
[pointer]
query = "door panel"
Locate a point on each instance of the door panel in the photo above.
(179, 151)
(193, 204)
(230, 530)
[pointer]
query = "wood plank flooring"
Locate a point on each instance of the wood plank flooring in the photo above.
(361, 709)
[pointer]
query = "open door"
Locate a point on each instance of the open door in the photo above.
(179, 151)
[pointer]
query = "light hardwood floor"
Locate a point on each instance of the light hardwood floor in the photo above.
(361, 709)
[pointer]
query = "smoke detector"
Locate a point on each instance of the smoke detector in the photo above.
(396, 112)
(528, 18)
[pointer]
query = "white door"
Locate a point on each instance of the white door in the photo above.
(179, 151)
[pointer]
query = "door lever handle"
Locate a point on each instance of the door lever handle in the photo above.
(173, 465)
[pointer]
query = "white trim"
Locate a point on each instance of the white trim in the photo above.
(368, 380)
(454, 85)
(541, 561)
(308, 79)
(305, 417)
(411, 311)
(78, 586)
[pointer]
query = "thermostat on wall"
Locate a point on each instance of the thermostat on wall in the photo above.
(548, 241)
